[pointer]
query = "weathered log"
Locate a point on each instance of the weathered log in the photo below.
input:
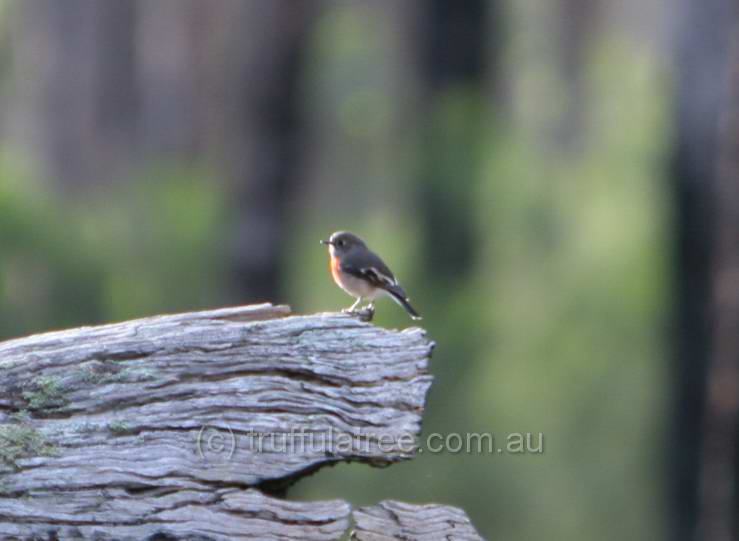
(391, 520)
(205, 514)
(161, 426)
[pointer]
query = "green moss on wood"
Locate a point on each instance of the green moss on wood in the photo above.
(126, 375)
(45, 392)
(84, 428)
(118, 427)
(19, 441)
(21, 416)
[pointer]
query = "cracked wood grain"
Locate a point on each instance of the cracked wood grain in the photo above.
(113, 513)
(391, 520)
(162, 426)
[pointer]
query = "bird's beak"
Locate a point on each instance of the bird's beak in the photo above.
(327, 242)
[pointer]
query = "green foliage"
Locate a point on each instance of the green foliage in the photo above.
(157, 249)
(160, 244)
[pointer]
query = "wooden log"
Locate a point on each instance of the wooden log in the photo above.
(390, 520)
(161, 426)
(204, 514)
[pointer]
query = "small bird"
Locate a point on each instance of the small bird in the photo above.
(361, 273)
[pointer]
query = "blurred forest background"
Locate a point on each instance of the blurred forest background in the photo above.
(555, 183)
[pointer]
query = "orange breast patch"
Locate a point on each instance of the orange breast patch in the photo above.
(334, 266)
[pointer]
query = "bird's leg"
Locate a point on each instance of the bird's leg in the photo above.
(353, 307)
(366, 313)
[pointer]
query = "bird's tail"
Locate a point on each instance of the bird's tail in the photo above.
(398, 295)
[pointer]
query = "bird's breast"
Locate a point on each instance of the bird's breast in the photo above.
(335, 272)
(353, 285)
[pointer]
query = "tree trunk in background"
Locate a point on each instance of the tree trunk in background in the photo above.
(111, 87)
(701, 72)
(454, 58)
(719, 505)
(264, 134)
(107, 85)
(173, 47)
(578, 25)
(79, 90)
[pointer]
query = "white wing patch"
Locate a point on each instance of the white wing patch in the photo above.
(380, 277)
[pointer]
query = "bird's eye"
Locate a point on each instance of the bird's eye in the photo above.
(340, 243)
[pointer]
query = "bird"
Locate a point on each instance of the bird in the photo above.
(362, 274)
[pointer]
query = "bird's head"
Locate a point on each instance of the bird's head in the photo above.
(342, 242)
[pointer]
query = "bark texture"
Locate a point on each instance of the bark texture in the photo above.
(397, 520)
(184, 426)
(203, 514)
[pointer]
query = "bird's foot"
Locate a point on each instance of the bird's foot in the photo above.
(365, 314)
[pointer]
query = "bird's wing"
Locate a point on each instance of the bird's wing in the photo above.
(370, 267)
